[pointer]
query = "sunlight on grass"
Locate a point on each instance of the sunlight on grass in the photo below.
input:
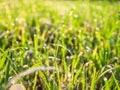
(59, 45)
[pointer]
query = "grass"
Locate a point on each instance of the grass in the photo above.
(60, 45)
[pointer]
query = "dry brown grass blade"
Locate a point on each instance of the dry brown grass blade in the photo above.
(17, 87)
(27, 72)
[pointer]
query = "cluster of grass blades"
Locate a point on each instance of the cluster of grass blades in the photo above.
(59, 45)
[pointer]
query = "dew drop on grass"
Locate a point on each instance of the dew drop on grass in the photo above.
(88, 49)
(69, 75)
(10, 78)
(63, 25)
(70, 28)
(97, 28)
(105, 79)
(106, 53)
(95, 20)
(17, 42)
(76, 16)
(25, 66)
(115, 58)
(13, 59)
(26, 48)
(30, 52)
(34, 35)
(8, 32)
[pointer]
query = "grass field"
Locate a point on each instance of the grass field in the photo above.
(60, 45)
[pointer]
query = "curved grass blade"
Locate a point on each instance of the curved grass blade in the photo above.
(27, 72)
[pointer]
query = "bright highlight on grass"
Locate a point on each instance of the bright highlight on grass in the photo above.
(60, 45)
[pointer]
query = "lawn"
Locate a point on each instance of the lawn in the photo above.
(60, 45)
